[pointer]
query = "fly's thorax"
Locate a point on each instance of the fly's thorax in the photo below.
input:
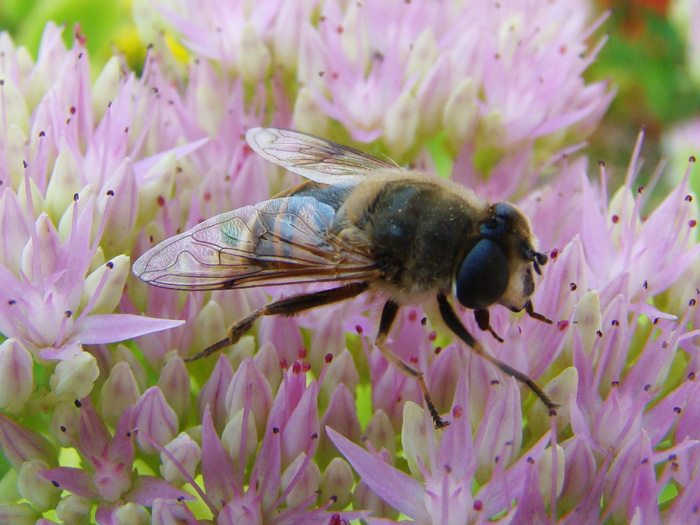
(416, 227)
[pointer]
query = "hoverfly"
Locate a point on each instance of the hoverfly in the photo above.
(368, 225)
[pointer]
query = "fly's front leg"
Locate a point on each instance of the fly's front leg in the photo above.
(453, 323)
(388, 315)
(286, 307)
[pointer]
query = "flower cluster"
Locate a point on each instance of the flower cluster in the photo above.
(304, 421)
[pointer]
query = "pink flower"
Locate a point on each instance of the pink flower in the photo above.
(51, 308)
(111, 478)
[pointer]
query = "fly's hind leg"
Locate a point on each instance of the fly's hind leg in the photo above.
(388, 315)
(286, 307)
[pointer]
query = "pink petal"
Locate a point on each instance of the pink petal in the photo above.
(399, 490)
(217, 467)
(109, 328)
(146, 489)
(73, 480)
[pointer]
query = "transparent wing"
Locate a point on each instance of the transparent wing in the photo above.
(274, 242)
(311, 157)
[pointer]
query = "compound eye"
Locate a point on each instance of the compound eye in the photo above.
(483, 277)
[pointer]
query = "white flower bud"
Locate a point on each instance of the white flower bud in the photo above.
(563, 388)
(65, 422)
(400, 124)
(118, 392)
(308, 117)
(174, 382)
(106, 87)
(14, 153)
(209, 325)
(117, 271)
(186, 452)
(414, 437)
(132, 514)
(342, 370)
(14, 107)
(381, 433)
(544, 466)
(231, 437)
(21, 514)
(305, 485)
(460, 112)
(40, 492)
(64, 183)
(254, 57)
(74, 509)
(74, 377)
(337, 482)
(424, 54)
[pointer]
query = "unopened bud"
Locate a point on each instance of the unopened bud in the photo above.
(460, 113)
(544, 465)
(74, 377)
(65, 423)
(305, 485)
(187, 452)
(365, 498)
(118, 392)
(414, 437)
(123, 354)
(342, 370)
(341, 416)
(14, 231)
(174, 382)
(132, 514)
(64, 182)
(308, 117)
(112, 285)
(381, 433)
(39, 491)
(581, 468)
(15, 111)
(563, 388)
(268, 363)
(400, 124)
(16, 375)
(249, 381)
(208, 325)
(106, 87)
(213, 392)
(232, 436)
(18, 514)
(337, 482)
(74, 509)
(254, 57)
(154, 418)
